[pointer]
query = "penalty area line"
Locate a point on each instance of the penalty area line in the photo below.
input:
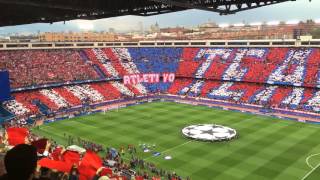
(310, 172)
(307, 159)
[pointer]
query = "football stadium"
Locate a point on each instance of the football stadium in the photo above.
(164, 107)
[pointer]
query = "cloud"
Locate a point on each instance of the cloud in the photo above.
(122, 24)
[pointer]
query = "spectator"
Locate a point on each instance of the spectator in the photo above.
(74, 173)
(20, 163)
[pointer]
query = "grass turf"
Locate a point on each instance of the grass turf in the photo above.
(268, 148)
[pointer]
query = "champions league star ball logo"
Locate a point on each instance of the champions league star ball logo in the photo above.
(209, 132)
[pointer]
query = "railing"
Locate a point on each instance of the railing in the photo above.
(165, 43)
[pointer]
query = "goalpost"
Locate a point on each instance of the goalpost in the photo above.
(108, 108)
(105, 110)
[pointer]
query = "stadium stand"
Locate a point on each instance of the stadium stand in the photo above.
(44, 159)
(38, 67)
(68, 82)
(67, 78)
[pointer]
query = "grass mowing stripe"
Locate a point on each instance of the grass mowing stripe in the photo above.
(272, 173)
(265, 143)
(247, 150)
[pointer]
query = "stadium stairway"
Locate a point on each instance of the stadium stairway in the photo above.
(5, 115)
(99, 71)
(86, 59)
(83, 56)
(44, 109)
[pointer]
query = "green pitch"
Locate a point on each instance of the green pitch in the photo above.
(268, 148)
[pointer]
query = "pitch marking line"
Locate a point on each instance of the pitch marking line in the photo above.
(310, 172)
(170, 149)
(307, 159)
(312, 168)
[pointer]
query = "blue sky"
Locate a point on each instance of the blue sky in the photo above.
(296, 10)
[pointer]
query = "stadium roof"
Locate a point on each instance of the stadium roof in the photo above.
(15, 12)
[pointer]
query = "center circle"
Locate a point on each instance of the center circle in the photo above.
(209, 132)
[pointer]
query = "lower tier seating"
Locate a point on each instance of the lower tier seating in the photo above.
(48, 100)
(286, 97)
(59, 98)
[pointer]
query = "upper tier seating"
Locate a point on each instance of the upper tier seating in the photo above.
(38, 67)
(279, 66)
(277, 77)
(282, 66)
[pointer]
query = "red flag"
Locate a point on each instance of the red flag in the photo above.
(58, 165)
(106, 171)
(90, 163)
(139, 178)
(56, 154)
(17, 135)
(71, 157)
(40, 145)
(118, 178)
(50, 75)
(156, 178)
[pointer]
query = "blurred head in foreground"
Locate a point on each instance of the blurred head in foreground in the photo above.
(20, 162)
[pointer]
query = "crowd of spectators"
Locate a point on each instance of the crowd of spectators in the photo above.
(102, 60)
(39, 67)
(28, 156)
(270, 77)
(285, 97)
(62, 98)
(291, 66)
(280, 66)
(155, 60)
(276, 70)
(16, 107)
(124, 58)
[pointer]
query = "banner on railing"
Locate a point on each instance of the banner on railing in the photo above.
(4, 86)
(148, 78)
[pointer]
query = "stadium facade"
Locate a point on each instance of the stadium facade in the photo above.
(304, 42)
